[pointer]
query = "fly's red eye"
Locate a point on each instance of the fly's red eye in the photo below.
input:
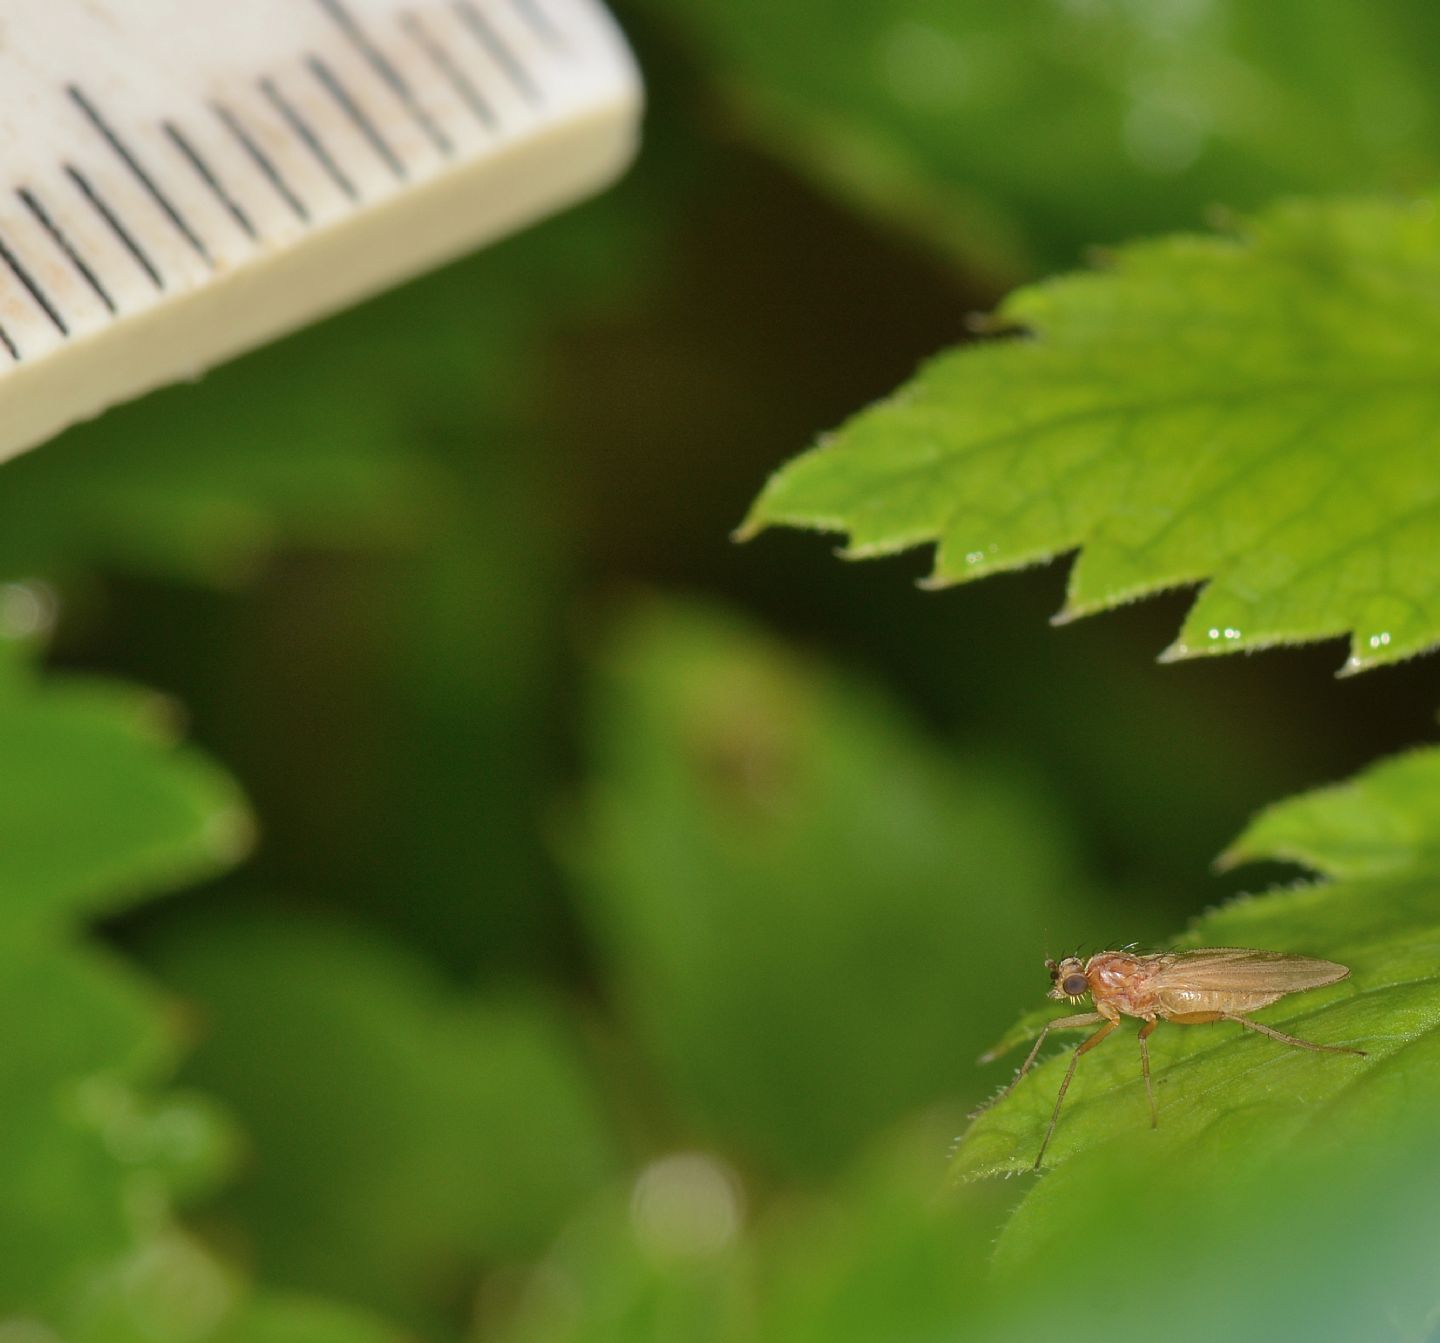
(1074, 985)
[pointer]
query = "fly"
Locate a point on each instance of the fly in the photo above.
(1191, 988)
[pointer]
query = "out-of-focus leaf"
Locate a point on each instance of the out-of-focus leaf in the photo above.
(203, 480)
(86, 1158)
(664, 1258)
(1259, 411)
(99, 806)
(1015, 134)
(1336, 1244)
(270, 1318)
(403, 1135)
(803, 910)
(886, 1252)
(172, 1289)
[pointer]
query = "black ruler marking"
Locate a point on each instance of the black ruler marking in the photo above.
(485, 33)
(386, 71)
(83, 185)
(207, 175)
(465, 87)
(9, 345)
(127, 157)
(62, 240)
(268, 169)
(17, 269)
(310, 138)
(345, 101)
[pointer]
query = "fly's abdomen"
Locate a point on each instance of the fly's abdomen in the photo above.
(1179, 1002)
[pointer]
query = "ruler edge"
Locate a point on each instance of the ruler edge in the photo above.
(84, 379)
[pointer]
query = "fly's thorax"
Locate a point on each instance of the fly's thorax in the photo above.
(1120, 980)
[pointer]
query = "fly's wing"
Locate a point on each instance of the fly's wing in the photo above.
(1244, 970)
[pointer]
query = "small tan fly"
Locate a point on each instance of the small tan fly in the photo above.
(1190, 988)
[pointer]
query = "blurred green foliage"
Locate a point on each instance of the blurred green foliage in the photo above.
(629, 907)
(100, 808)
(835, 871)
(1014, 135)
(399, 1136)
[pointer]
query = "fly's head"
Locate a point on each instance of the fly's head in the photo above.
(1067, 979)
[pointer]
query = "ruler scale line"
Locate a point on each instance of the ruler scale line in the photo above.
(388, 74)
(127, 240)
(208, 176)
(310, 138)
(465, 87)
(347, 103)
(10, 347)
(541, 24)
(500, 51)
(33, 287)
(268, 169)
(141, 174)
(62, 240)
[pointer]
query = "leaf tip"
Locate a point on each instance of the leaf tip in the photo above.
(748, 529)
(1231, 858)
(232, 833)
(1179, 651)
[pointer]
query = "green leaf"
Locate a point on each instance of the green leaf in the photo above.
(1230, 1101)
(1384, 823)
(100, 808)
(404, 1134)
(174, 1290)
(1015, 134)
(1259, 412)
(99, 804)
(804, 908)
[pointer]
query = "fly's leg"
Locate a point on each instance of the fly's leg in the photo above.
(1085, 1047)
(1145, 1031)
(1059, 1024)
(1291, 1039)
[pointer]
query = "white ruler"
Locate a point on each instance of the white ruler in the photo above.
(183, 179)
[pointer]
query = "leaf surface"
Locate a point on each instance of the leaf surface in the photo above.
(1230, 1101)
(1258, 413)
